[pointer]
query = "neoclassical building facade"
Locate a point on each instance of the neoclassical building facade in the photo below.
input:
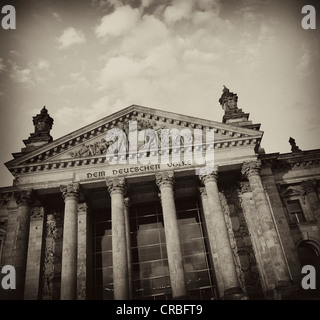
(91, 217)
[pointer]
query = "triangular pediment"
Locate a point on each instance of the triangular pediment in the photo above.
(87, 145)
(291, 191)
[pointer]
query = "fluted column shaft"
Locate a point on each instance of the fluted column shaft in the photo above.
(70, 194)
(20, 247)
(217, 224)
(128, 239)
(251, 170)
(217, 264)
(165, 182)
(116, 188)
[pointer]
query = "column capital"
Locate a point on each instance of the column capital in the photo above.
(213, 176)
(309, 185)
(24, 197)
(127, 202)
(251, 168)
(70, 191)
(82, 208)
(165, 178)
(203, 191)
(244, 186)
(116, 185)
(37, 213)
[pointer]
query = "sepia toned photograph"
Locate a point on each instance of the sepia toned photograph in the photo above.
(160, 150)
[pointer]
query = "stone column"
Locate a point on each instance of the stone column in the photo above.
(82, 251)
(128, 238)
(217, 223)
(20, 244)
(35, 248)
(309, 187)
(251, 170)
(217, 264)
(165, 181)
(70, 195)
(116, 188)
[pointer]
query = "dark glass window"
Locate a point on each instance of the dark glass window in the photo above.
(102, 256)
(149, 255)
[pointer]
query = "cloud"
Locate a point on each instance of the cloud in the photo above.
(22, 75)
(71, 36)
(36, 72)
(180, 9)
(2, 65)
(56, 16)
(118, 23)
(304, 65)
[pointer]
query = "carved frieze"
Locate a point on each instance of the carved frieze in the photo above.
(100, 147)
(91, 149)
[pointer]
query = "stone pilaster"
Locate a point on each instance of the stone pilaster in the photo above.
(217, 264)
(165, 181)
(309, 186)
(24, 200)
(258, 242)
(32, 282)
(70, 195)
(251, 170)
(117, 189)
(128, 238)
(216, 219)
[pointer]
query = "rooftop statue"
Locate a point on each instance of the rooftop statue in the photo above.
(228, 100)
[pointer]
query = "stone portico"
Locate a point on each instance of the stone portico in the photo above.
(80, 222)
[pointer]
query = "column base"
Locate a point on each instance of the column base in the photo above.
(234, 293)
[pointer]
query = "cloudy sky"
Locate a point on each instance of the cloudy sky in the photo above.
(85, 60)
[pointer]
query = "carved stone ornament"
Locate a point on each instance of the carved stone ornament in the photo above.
(24, 197)
(251, 167)
(309, 186)
(52, 255)
(100, 147)
(165, 178)
(213, 176)
(91, 149)
(127, 202)
(37, 213)
(294, 147)
(244, 186)
(70, 191)
(116, 185)
(203, 191)
(82, 208)
(228, 100)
